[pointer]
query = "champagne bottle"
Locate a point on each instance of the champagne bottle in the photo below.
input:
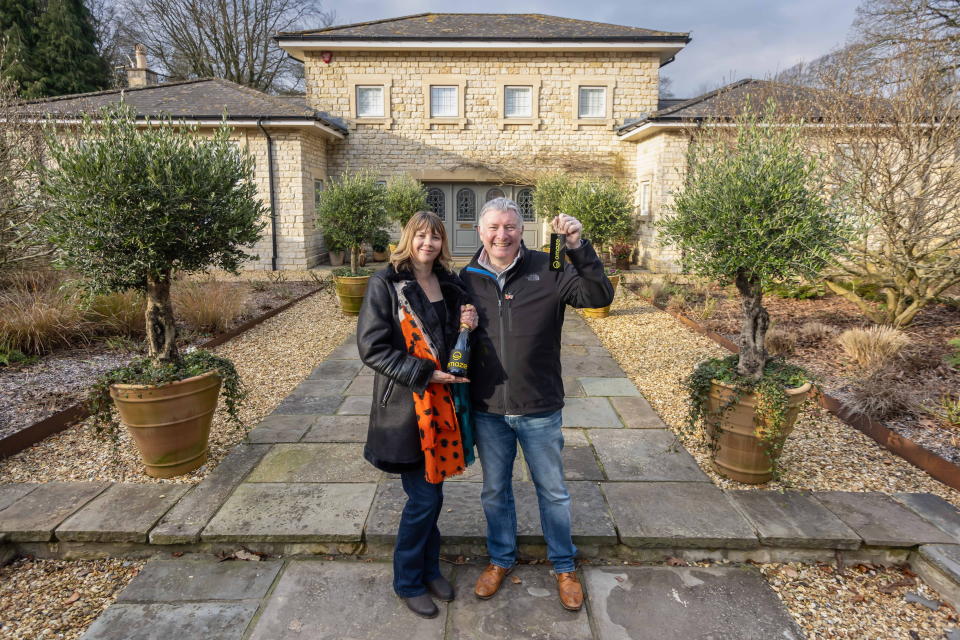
(460, 355)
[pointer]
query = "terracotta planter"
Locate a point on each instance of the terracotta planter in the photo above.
(170, 423)
(603, 312)
(740, 453)
(336, 258)
(350, 291)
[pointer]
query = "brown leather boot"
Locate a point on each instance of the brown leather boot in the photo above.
(490, 580)
(571, 594)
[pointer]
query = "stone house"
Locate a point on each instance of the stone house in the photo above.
(472, 105)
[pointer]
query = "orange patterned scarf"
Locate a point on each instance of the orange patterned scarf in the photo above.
(436, 418)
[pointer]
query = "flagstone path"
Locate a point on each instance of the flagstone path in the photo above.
(300, 490)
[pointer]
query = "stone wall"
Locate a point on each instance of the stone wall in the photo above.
(481, 146)
(661, 159)
(299, 157)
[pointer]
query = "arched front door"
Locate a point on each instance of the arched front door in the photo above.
(459, 205)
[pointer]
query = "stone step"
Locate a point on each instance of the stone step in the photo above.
(191, 598)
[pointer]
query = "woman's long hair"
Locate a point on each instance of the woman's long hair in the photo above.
(401, 256)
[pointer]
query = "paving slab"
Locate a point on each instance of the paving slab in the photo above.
(934, 510)
(609, 387)
(355, 406)
(292, 512)
(123, 513)
(346, 351)
(186, 580)
(462, 519)
(320, 387)
(579, 459)
(945, 557)
(315, 462)
(315, 599)
(526, 610)
(308, 405)
(184, 522)
(590, 412)
(880, 520)
(338, 429)
(636, 413)
(677, 514)
(579, 366)
(365, 371)
(360, 386)
(572, 388)
(35, 515)
(10, 493)
(474, 472)
(276, 428)
(336, 369)
(682, 603)
(793, 519)
(162, 621)
(644, 455)
(577, 335)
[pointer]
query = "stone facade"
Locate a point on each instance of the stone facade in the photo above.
(299, 159)
(481, 145)
(661, 161)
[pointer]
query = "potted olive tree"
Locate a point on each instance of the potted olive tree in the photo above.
(405, 196)
(130, 208)
(353, 208)
(753, 211)
(604, 207)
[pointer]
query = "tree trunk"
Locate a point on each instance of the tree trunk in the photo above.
(161, 329)
(354, 259)
(753, 350)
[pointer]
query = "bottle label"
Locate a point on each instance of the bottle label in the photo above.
(456, 364)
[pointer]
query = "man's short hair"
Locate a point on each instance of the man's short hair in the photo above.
(500, 204)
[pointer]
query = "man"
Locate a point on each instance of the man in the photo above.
(516, 388)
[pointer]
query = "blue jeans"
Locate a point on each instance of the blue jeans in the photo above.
(542, 442)
(416, 556)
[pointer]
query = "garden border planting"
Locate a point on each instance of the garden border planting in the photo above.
(28, 436)
(939, 468)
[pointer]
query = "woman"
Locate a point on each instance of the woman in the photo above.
(409, 321)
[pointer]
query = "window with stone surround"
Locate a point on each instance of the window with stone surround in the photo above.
(317, 192)
(370, 100)
(444, 100)
(592, 100)
(645, 199)
(518, 101)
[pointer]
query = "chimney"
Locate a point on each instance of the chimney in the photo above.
(139, 75)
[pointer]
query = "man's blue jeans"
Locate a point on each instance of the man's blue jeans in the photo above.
(542, 442)
(416, 556)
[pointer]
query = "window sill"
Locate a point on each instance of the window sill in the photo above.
(593, 122)
(386, 123)
(459, 122)
(534, 123)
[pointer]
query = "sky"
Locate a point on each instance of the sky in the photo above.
(731, 39)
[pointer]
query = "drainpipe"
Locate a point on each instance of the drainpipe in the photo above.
(273, 192)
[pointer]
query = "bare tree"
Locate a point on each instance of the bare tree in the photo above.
(111, 41)
(885, 29)
(896, 139)
(231, 39)
(21, 152)
(666, 86)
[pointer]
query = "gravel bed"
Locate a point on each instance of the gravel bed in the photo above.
(272, 358)
(864, 601)
(657, 352)
(33, 393)
(58, 598)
